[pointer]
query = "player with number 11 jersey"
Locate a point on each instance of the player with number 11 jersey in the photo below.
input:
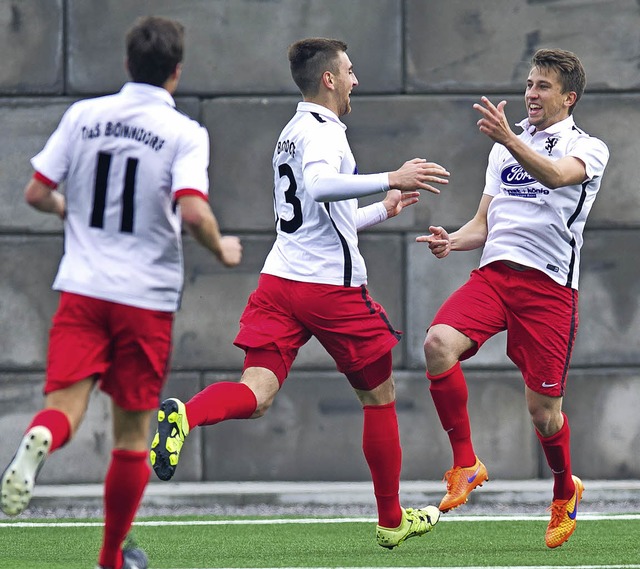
(135, 171)
(122, 237)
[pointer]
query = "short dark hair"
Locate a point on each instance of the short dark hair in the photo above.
(310, 58)
(568, 66)
(154, 49)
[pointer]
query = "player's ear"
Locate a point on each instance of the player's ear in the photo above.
(570, 98)
(328, 80)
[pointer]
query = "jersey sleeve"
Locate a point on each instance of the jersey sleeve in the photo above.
(370, 215)
(593, 153)
(190, 166)
(326, 185)
(323, 156)
(54, 159)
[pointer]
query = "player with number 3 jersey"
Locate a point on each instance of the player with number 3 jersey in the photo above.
(315, 201)
(313, 283)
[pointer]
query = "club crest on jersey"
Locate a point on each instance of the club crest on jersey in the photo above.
(550, 144)
(516, 175)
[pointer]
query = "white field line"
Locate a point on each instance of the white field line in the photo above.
(261, 521)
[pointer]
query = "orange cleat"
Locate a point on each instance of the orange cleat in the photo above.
(563, 517)
(460, 482)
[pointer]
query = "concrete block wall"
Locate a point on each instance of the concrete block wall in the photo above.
(421, 65)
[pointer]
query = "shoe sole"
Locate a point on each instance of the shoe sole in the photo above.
(450, 506)
(19, 478)
(161, 465)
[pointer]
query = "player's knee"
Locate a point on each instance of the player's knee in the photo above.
(545, 422)
(263, 405)
(263, 374)
(436, 346)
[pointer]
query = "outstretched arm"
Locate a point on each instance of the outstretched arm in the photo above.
(326, 185)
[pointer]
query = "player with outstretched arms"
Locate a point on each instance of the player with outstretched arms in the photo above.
(539, 188)
(313, 283)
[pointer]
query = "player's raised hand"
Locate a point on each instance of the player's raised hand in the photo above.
(230, 250)
(396, 201)
(418, 174)
(439, 241)
(494, 122)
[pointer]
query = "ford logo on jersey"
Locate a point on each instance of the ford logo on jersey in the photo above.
(516, 175)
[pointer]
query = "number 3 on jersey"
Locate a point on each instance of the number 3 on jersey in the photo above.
(100, 193)
(293, 224)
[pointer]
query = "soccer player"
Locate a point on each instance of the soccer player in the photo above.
(540, 186)
(135, 168)
(313, 283)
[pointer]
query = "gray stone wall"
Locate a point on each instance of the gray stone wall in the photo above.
(421, 65)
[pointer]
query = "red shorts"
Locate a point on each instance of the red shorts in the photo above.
(281, 315)
(127, 348)
(540, 316)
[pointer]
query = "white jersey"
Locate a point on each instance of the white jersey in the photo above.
(531, 224)
(124, 157)
(315, 201)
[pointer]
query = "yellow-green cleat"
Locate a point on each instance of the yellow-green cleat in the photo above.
(173, 428)
(414, 524)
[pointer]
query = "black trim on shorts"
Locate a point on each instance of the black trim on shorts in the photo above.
(572, 338)
(382, 314)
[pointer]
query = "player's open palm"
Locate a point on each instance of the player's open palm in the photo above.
(230, 250)
(396, 201)
(418, 174)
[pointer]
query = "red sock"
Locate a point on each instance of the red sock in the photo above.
(449, 393)
(57, 422)
(124, 486)
(381, 446)
(219, 402)
(558, 452)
